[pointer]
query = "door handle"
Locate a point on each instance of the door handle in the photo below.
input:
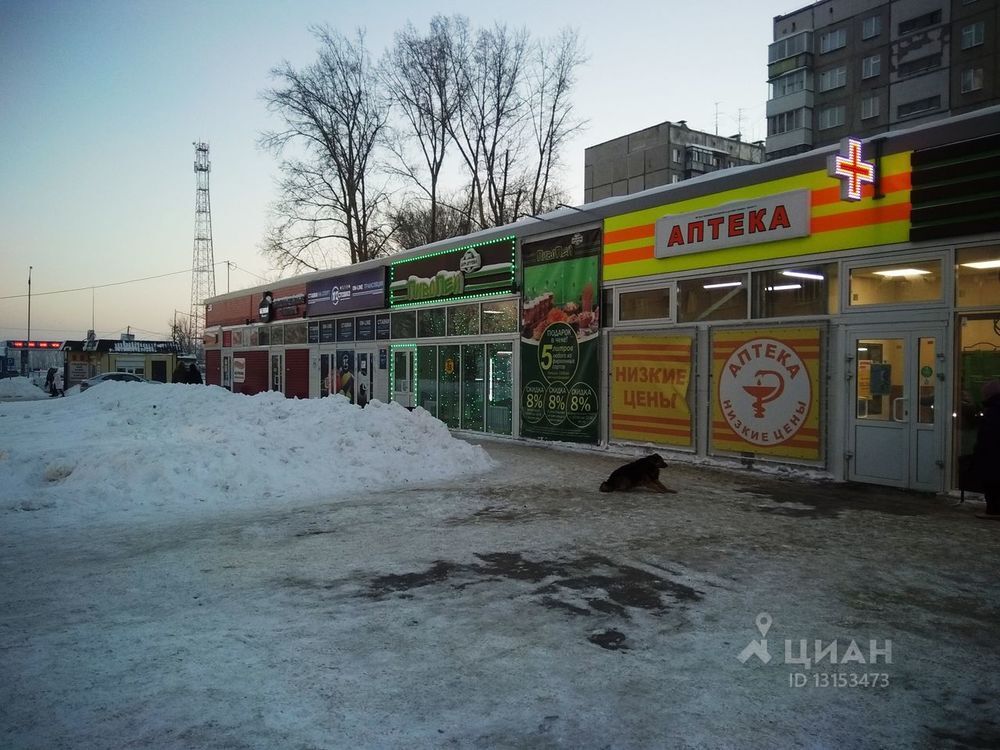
(896, 410)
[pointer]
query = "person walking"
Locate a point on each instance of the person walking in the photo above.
(194, 375)
(50, 377)
(180, 374)
(986, 453)
(57, 383)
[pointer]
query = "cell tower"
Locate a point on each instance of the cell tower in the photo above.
(202, 264)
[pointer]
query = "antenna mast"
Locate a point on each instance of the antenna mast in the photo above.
(203, 263)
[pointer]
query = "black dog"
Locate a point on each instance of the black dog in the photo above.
(645, 472)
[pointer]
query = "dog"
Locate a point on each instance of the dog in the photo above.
(644, 472)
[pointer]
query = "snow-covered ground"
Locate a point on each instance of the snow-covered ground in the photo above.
(20, 389)
(509, 606)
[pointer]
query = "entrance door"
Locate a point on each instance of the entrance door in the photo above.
(227, 371)
(402, 377)
(364, 375)
(278, 373)
(897, 414)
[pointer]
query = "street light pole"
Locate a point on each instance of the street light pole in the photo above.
(26, 357)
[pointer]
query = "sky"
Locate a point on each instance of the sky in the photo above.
(103, 99)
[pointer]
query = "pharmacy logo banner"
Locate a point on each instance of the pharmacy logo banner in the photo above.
(650, 381)
(767, 394)
(560, 344)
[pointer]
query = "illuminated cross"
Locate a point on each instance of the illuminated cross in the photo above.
(851, 169)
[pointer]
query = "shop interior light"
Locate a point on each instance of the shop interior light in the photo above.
(862, 348)
(896, 272)
(982, 264)
(783, 287)
(722, 285)
(804, 275)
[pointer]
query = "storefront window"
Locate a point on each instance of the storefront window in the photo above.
(463, 320)
(427, 378)
(799, 290)
(473, 381)
(277, 335)
(500, 317)
(500, 388)
(252, 338)
(237, 337)
(712, 298)
(899, 283)
(977, 276)
(644, 304)
(448, 385)
(430, 322)
(979, 362)
(404, 325)
(295, 333)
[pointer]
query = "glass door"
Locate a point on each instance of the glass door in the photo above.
(896, 422)
(402, 376)
(278, 373)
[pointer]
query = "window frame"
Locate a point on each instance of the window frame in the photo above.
(871, 66)
(874, 110)
(977, 39)
(971, 72)
(831, 41)
(848, 267)
(671, 318)
(871, 27)
(835, 78)
(840, 108)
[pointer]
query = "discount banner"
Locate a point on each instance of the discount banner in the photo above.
(559, 338)
(650, 380)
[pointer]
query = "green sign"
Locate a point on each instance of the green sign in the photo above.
(560, 342)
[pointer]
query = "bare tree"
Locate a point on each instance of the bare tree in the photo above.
(410, 221)
(334, 113)
(184, 335)
(551, 83)
(490, 122)
(420, 77)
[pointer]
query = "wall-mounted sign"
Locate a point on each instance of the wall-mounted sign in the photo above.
(747, 222)
(479, 270)
(768, 391)
(313, 336)
(264, 308)
(345, 329)
(327, 332)
(560, 345)
(851, 169)
(383, 326)
(361, 290)
(239, 370)
(365, 328)
(650, 382)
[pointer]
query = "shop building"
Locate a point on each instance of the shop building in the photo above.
(836, 310)
(153, 360)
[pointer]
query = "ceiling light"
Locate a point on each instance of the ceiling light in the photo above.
(862, 348)
(723, 285)
(893, 272)
(803, 275)
(983, 264)
(783, 287)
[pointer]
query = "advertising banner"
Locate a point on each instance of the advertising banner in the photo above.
(767, 392)
(362, 290)
(481, 269)
(560, 345)
(239, 370)
(650, 382)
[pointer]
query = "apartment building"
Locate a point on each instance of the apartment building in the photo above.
(862, 67)
(660, 155)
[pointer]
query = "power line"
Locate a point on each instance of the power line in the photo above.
(120, 283)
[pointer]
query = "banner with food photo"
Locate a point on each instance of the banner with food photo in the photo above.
(560, 346)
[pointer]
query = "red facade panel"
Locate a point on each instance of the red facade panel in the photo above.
(297, 373)
(256, 372)
(213, 367)
(232, 312)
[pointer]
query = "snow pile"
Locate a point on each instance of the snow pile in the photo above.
(146, 449)
(19, 389)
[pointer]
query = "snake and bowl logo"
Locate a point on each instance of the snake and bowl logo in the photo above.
(765, 392)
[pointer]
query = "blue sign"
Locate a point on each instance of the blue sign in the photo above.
(361, 290)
